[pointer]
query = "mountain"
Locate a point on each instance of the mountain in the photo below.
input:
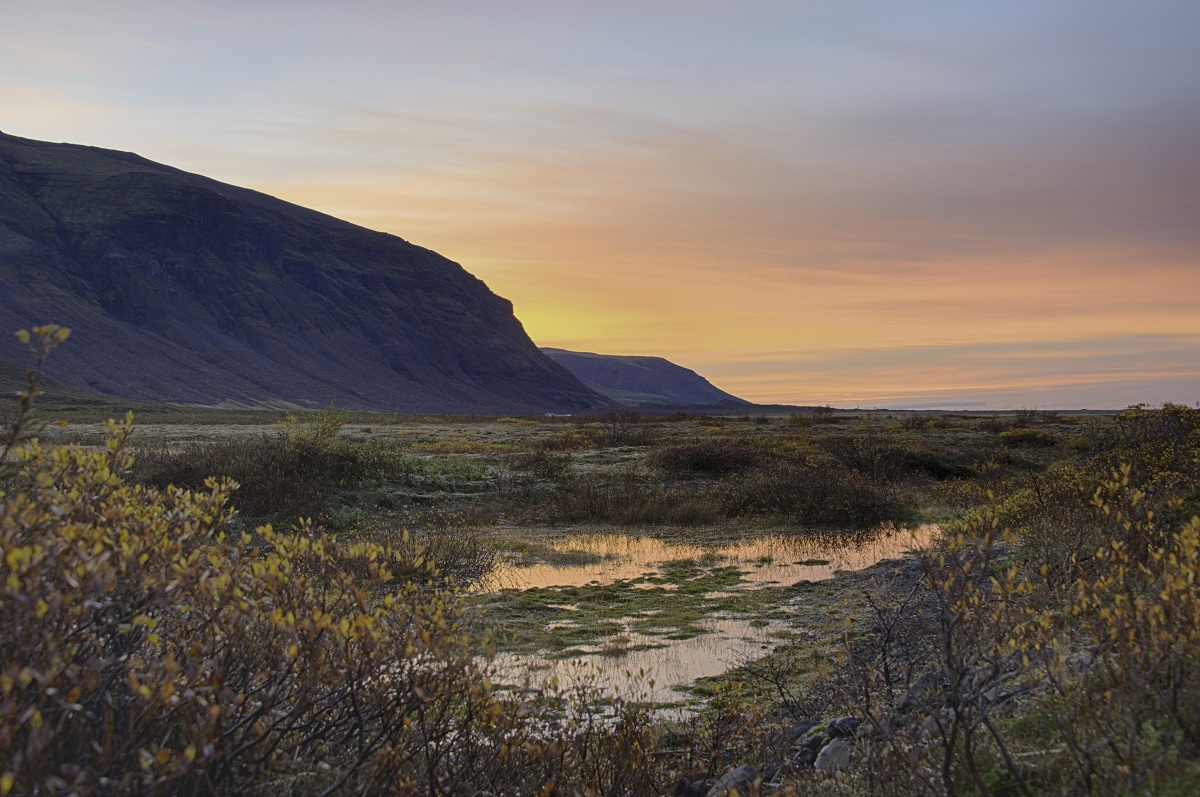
(644, 381)
(183, 289)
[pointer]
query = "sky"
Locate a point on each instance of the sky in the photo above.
(863, 203)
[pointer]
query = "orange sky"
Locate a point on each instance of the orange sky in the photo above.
(860, 204)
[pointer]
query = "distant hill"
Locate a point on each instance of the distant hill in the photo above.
(644, 381)
(183, 289)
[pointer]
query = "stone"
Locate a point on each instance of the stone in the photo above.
(789, 735)
(833, 756)
(805, 758)
(814, 740)
(685, 788)
(844, 727)
(739, 779)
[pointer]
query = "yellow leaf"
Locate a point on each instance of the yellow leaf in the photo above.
(6, 780)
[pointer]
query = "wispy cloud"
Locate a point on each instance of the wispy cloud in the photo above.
(710, 182)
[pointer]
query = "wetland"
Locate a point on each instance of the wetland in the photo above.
(825, 602)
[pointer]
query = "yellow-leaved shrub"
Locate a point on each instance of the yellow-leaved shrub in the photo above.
(143, 652)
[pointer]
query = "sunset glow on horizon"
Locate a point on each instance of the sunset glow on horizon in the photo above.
(859, 204)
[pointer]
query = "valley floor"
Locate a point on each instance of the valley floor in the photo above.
(845, 602)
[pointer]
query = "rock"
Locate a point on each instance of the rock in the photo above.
(805, 758)
(789, 735)
(739, 779)
(833, 756)
(814, 740)
(685, 788)
(844, 727)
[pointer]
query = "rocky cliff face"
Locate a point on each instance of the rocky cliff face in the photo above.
(180, 288)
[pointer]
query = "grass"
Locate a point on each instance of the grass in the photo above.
(671, 603)
(466, 491)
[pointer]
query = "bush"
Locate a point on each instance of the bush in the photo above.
(1025, 677)
(1160, 446)
(817, 494)
(994, 424)
(709, 457)
(1023, 437)
(279, 477)
(625, 500)
(144, 653)
(623, 428)
(316, 429)
(887, 459)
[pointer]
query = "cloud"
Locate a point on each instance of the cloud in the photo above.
(707, 182)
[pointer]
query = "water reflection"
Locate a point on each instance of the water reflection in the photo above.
(628, 661)
(768, 558)
(652, 674)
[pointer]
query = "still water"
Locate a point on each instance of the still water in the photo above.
(653, 673)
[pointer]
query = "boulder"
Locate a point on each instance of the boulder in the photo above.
(789, 735)
(815, 739)
(833, 757)
(844, 727)
(735, 779)
(805, 758)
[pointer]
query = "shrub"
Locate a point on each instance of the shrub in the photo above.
(888, 458)
(994, 424)
(625, 500)
(623, 428)
(1160, 446)
(318, 428)
(818, 494)
(145, 653)
(1024, 437)
(542, 463)
(709, 457)
(278, 477)
(1020, 677)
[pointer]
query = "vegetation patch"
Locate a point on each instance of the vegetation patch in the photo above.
(672, 604)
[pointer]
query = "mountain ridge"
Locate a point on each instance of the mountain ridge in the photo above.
(181, 288)
(644, 381)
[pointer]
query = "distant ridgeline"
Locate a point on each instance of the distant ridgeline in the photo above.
(180, 288)
(645, 381)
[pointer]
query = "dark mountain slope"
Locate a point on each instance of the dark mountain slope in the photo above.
(181, 288)
(643, 381)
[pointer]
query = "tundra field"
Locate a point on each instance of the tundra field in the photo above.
(826, 602)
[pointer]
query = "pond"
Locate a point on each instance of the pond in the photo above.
(645, 615)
